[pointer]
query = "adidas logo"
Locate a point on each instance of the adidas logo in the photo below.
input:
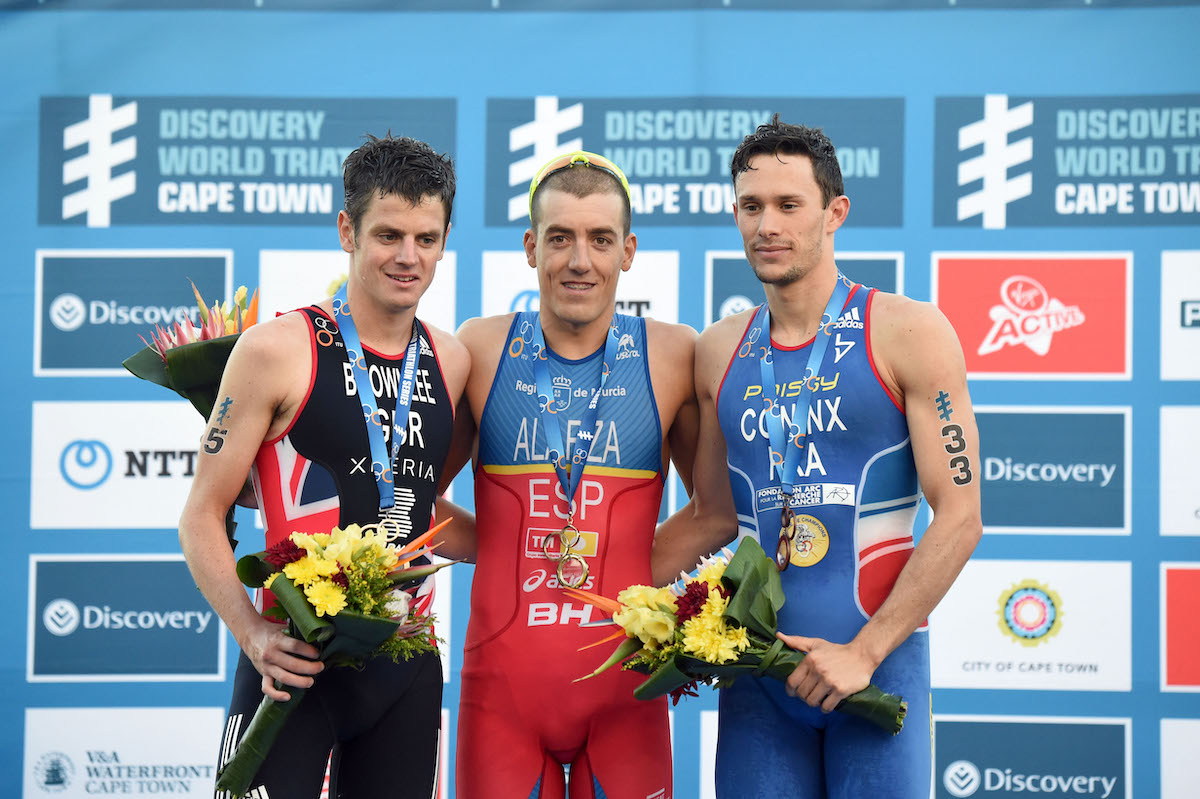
(850, 319)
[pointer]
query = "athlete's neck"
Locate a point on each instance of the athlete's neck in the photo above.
(796, 307)
(575, 341)
(385, 330)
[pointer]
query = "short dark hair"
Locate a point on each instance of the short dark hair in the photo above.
(398, 166)
(581, 180)
(775, 138)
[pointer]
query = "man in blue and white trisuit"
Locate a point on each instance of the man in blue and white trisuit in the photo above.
(876, 416)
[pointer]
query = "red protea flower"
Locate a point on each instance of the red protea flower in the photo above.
(692, 601)
(283, 553)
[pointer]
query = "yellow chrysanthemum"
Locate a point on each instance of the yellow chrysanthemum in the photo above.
(712, 572)
(653, 627)
(327, 598)
(645, 596)
(309, 569)
(271, 579)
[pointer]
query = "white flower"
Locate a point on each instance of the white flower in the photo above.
(397, 604)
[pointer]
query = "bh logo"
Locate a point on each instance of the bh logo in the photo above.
(85, 464)
(961, 778)
(991, 166)
(61, 617)
(68, 312)
(95, 165)
(542, 133)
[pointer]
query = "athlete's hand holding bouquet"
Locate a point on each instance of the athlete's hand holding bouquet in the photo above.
(343, 592)
(719, 625)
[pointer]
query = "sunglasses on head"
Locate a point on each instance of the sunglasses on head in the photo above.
(569, 160)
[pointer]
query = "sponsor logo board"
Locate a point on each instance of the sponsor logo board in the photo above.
(1179, 441)
(1178, 750)
(107, 160)
(1180, 314)
(120, 618)
(290, 279)
(1039, 316)
(91, 305)
(1009, 756)
(1002, 161)
(676, 151)
(120, 751)
(1055, 469)
(731, 287)
(1180, 655)
(649, 288)
(1034, 625)
(92, 462)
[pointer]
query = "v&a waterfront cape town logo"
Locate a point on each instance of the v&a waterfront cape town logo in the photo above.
(106, 161)
(132, 618)
(1006, 757)
(1002, 161)
(1034, 625)
(676, 151)
(1039, 316)
(120, 751)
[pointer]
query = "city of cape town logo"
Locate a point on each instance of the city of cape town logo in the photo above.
(1030, 612)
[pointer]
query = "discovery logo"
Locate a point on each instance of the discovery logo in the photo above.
(1060, 470)
(92, 305)
(1010, 756)
(98, 618)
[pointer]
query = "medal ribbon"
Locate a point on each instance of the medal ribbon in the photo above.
(785, 452)
(569, 478)
(382, 466)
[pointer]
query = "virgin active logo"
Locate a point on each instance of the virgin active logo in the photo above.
(61, 617)
(85, 464)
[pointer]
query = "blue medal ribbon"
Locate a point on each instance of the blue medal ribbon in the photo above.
(568, 465)
(382, 466)
(784, 451)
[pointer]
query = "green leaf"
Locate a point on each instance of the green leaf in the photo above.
(626, 648)
(355, 636)
(264, 729)
(665, 679)
(406, 577)
(757, 591)
(195, 370)
(148, 365)
(253, 570)
(311, 628)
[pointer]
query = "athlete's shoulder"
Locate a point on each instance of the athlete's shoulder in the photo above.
(895, 315)
(280, 337)
(910, 339)
(453, 357)
(724, 334)
(482, 333)
(670, 335)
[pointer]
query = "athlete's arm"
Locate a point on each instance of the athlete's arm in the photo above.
(255, 389)
(708, 521)
(478, 340)
(920, 359)
(671, 353)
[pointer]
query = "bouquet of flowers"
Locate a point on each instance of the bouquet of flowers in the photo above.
(721, 625)
(190, 359)
(343, 592)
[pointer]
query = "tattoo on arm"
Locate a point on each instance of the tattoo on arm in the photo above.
(215, 440)
(953, 433)
(224, 407)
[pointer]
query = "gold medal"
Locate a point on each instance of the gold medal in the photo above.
(810, 542)
(572, 569)
(787, 531)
